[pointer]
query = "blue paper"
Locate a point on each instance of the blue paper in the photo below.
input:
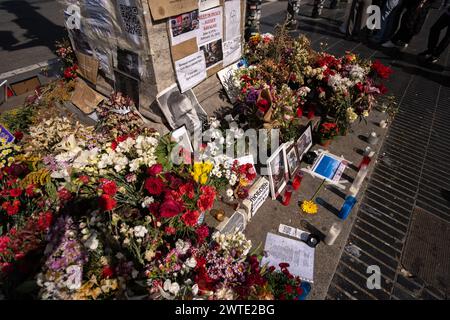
(5, 134)
(327, 167)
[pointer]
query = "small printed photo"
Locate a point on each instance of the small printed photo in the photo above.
(127, 86)
(128, 62)
(213, 53)
(182, 109)
(304, 143)
(293, 160)
(184, 26)
(278, 171)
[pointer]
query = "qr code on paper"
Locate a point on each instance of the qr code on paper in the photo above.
(130, 17)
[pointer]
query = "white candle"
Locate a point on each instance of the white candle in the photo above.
(383, 124)
(333, 233)
(373, 138)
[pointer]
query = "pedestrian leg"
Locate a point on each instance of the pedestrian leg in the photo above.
(318, 6)
(292, 13)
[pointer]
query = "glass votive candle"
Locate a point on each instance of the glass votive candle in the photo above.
(287, 195)
(297, 180)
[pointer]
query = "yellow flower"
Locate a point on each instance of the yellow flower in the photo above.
(309, 207)
(201, 171)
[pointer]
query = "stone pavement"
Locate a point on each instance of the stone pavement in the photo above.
(411, 169)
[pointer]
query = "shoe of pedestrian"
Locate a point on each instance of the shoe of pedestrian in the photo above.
(432, 59)
(388, 44)
(401, 45)
(425, 54)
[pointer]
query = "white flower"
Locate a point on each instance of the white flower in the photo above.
(191, 262)
(73, 281)
(229, 118)
(92, 242)
(147, 201)
(215, 124)
(195, 289)
(230, 193)
(140, 231)
(134, 273)
(174, 288)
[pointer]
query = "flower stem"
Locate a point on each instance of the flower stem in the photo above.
(318, 190)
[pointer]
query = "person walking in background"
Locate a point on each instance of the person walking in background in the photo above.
(436, 47)
(292, 13)
(318, 7)
(390, 17)
(412, 22)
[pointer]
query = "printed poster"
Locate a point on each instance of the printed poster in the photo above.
(207, 4)
(232, 19)
(132, 23)
(184, 27)
(211, 26)
(191, 70)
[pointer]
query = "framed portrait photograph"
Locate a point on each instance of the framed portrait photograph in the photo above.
(213, 53)
(128, 62)
(293, 160)
(181, 109)
(277, 167)
(305, 142)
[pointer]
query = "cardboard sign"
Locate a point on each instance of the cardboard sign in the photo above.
(25, 86)
(85, 98)
(258, 194)
(161, 9)
(88, 67)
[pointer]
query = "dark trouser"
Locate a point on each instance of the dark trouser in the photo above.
(434, 47)
(252, 23)
(293, 9)
(413, 19)
(358, 16)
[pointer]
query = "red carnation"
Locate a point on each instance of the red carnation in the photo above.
(84, 179)
(4, 242)
(202, 233)
(382, 88)
(64, 194)
(154, 186)
(170, 208)
(107, 272)
(155, 170)
(207, 197)
(360, 87)
(284, 265)
(263, 105)
(190, 218)
(153, 208)
(15, 192)
(383, 71)
(109, 188)
(170, 230)
(107, 203)
(29, 191)
(44, 221)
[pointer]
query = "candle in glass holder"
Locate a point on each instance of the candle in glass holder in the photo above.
(287, 195)
(297, 180)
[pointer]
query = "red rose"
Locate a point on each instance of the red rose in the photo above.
(107, 272)
(299, 112)
(15, 192)
(154, 186)
(11, 208)
(382, 71)
(170, 208)
(263, 105)
(18, 135)
(109, 188)
(64, 194)
(190, 218)
(360, 87)
(155, 169)
(153, 208)
(202, 233)
(107, 203)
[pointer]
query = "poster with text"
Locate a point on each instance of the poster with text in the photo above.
(232, 51)
(191, 70)
(211, 26)
(232, 19)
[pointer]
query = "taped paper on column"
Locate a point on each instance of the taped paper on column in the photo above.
(132, 23)
(213, 53)
(207, 4)
(229, 81)
(88, 66)
(191, 70)
(181, 109)
(105, 62)
(85, 98)
(161, 9)
(232, 19)
(183, 27)
(232, 51)
(211, 26)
